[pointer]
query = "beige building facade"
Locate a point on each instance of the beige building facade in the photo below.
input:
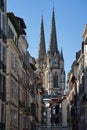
(77, 90)
(17, 94)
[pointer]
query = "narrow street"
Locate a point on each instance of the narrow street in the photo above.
(42, 86)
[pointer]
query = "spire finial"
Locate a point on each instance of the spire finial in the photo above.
(53, 39)
(42, 13)
(62, 54)
(42, 48)
(53, 4)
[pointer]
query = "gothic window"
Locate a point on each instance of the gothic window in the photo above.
(55, 81)
(55, 61)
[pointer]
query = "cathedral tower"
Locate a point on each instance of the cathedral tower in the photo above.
(42, 48)
(53, 39)
(52, 62)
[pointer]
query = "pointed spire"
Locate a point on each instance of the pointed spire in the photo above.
(53, 39)
(62, 55)
(42, 48)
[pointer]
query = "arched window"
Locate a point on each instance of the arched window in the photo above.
(55, 81)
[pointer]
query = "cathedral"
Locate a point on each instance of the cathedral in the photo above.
(51, 63)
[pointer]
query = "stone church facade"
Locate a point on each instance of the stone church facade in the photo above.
(51, 63)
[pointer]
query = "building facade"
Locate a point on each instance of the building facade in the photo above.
(17, 75)
(2, 63)
(77, 91)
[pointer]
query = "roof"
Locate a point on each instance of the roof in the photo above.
(18, 23)
(22, 23)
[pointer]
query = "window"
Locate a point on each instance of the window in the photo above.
(0, 51)
(3, 23)
(4, 55)
(1, 84)
(55, 81)
(10, 33)
(2, 87)
(2, 4)
(0, 21)
(24, 122)
(2, 112)
(12, 61)
(14, 117)
(14, 91)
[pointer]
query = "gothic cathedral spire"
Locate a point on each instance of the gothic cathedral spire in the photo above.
(62, 54)
(42, 48)
(53, 39)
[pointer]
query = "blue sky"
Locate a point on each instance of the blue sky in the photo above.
(70, 17)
